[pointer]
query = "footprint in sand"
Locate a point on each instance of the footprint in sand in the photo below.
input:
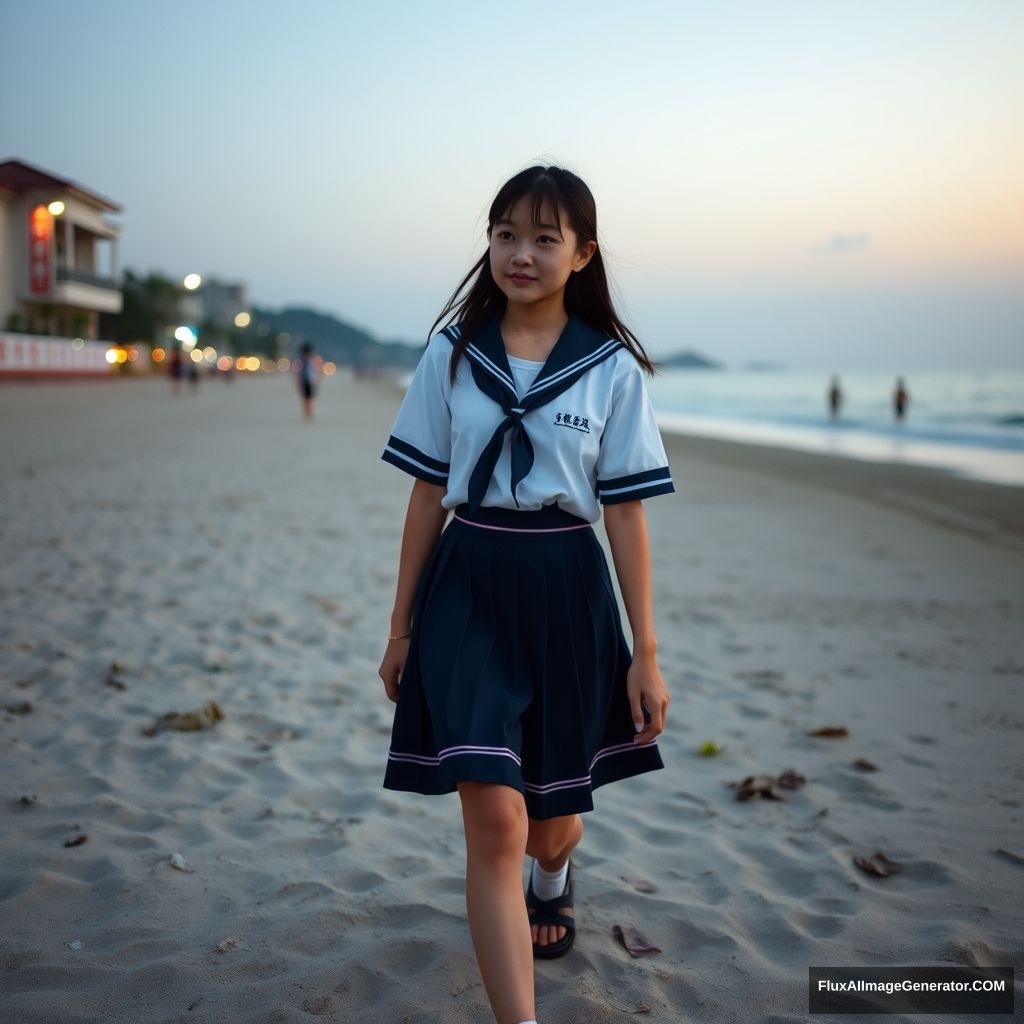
(917, 762)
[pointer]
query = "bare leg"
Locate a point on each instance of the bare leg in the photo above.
(495, 823)
(550, 841)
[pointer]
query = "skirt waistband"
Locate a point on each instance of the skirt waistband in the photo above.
(546, 519)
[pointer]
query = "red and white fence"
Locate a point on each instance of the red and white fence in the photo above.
(24, 355)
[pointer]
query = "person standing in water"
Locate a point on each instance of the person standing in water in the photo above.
(900, 400)
(835, 398)
(513, 681)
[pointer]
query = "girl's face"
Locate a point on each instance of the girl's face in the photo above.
(532, 262)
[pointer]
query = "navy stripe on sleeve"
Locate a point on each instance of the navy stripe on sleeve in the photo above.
(635, 486)
(408, 457)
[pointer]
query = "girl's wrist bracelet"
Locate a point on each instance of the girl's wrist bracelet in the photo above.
(402, 637)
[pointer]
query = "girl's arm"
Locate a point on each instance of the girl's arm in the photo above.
(627, 535)
(424, 521)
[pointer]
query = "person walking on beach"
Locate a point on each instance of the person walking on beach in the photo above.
(835, 398)
(306, 376)
(506, 658)
(900, 398)
(175, 369)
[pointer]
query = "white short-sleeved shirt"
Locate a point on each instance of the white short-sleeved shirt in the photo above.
(597, 443)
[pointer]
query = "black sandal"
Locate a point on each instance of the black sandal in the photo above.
(548, 912)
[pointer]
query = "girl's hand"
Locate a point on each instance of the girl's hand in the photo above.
(392, 665)
(646, 688)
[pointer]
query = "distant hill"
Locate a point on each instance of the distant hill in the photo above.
(336, 340)
(352, 346)
(688, 361)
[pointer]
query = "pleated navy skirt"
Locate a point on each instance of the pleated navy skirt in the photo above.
(516, 671)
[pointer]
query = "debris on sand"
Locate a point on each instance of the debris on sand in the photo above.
(768, 787)
(177, 861)
(640, 884)
(878, 864)
(634, 941)
(187, 721)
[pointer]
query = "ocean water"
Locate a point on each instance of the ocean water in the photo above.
(968, 422)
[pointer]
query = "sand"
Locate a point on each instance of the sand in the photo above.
(215, 547)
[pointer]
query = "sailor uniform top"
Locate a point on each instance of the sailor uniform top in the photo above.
(578, 429)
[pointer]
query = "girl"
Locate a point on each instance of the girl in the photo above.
(513, 680)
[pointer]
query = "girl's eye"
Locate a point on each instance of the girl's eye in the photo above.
(548, 238)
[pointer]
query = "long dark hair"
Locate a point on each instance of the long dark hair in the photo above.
(586, 292)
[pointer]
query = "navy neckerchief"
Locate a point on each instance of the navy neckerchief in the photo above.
(579, 348)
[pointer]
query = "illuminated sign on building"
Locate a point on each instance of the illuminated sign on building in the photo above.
(40, 250)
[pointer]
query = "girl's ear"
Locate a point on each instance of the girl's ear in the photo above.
(583, 255)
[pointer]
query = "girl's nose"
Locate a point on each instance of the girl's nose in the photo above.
(521, 256)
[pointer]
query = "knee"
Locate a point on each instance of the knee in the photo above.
(494, 817)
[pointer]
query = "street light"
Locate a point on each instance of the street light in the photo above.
(192, 282)
(187, 336)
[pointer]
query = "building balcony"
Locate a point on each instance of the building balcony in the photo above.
(86, 277)
(82, 289)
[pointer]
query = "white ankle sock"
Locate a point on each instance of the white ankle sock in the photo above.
(527, 1022)
(549, 884)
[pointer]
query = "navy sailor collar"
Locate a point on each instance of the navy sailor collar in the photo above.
(578, 349)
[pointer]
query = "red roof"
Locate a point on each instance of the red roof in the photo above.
(18, 177)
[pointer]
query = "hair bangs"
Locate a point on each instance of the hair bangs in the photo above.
(540, 189)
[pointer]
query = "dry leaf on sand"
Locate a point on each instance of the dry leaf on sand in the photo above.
(878, 864)
(634, 941)
(767, 786)
(640, 884)
(187, 721)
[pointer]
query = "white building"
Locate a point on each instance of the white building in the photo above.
(220, 302)
(58, 255)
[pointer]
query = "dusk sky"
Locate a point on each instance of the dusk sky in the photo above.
(830, 184)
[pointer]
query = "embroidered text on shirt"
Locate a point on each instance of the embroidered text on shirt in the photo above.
(567, 419)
